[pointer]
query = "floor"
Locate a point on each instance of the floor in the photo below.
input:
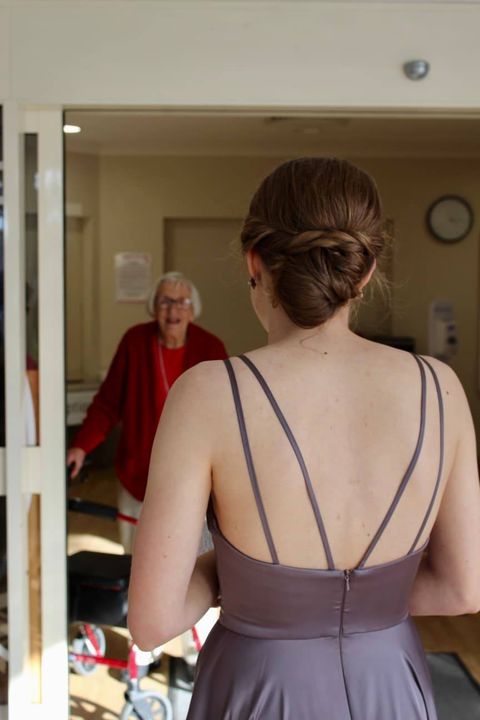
(100, 696)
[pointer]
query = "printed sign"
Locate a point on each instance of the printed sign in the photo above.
(133, 276)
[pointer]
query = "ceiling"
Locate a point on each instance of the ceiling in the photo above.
(210, 134)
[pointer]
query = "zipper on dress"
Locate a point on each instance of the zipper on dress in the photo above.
(346, 588)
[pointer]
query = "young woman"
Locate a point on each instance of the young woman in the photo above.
(340, 477)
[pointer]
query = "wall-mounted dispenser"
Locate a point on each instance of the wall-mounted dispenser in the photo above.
(442, 330)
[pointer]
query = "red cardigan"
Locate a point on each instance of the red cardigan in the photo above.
(132, 395)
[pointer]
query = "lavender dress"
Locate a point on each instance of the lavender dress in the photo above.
(327, 644)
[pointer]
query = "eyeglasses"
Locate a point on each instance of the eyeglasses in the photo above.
(165, 303)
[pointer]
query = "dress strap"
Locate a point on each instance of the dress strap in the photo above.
(409, 471)
(441, 416)
(299, 456)
(249, 460)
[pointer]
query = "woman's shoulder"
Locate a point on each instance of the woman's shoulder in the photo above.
(200, 396)
(401, 366)
(397, 359)
(452, 392)
(205, 379)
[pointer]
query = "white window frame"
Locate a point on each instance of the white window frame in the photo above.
(38, 469)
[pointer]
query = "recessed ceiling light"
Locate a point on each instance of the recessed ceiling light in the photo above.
(72, 129)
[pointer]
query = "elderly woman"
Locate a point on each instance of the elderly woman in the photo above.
(149, 358)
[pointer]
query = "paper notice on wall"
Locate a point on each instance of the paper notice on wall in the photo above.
(133, 276)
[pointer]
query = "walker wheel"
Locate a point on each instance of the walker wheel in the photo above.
(147, 705)
(83, 646)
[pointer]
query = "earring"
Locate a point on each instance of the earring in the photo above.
(252, 283)
(361, 294)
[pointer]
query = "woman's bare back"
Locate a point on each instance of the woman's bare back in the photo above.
(355, 413)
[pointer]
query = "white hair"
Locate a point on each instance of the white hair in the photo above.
(177, 278)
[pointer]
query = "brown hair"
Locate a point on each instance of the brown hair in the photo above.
(317, 225)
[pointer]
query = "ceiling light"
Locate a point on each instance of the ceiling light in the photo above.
(72, 129)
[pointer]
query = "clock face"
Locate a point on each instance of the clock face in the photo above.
(450, 218)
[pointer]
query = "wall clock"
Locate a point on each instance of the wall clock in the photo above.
(450, 218)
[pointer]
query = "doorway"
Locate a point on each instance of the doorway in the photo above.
(174, 188)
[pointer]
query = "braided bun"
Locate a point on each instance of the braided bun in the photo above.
(317, 225)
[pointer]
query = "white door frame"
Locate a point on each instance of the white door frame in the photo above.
(35, 469)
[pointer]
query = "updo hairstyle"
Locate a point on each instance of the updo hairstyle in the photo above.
(317, 225)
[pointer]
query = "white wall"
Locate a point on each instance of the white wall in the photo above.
(241, 54)
(4, 53)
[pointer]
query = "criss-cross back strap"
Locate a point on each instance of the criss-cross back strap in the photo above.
(441, 416)
(299, 456)
(249, 460)
(409, 471)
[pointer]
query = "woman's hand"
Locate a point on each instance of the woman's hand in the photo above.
(203, 588)
(76, 458)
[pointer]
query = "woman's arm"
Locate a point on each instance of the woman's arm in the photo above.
(170, 589)
(202, 594)
(448, 581)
